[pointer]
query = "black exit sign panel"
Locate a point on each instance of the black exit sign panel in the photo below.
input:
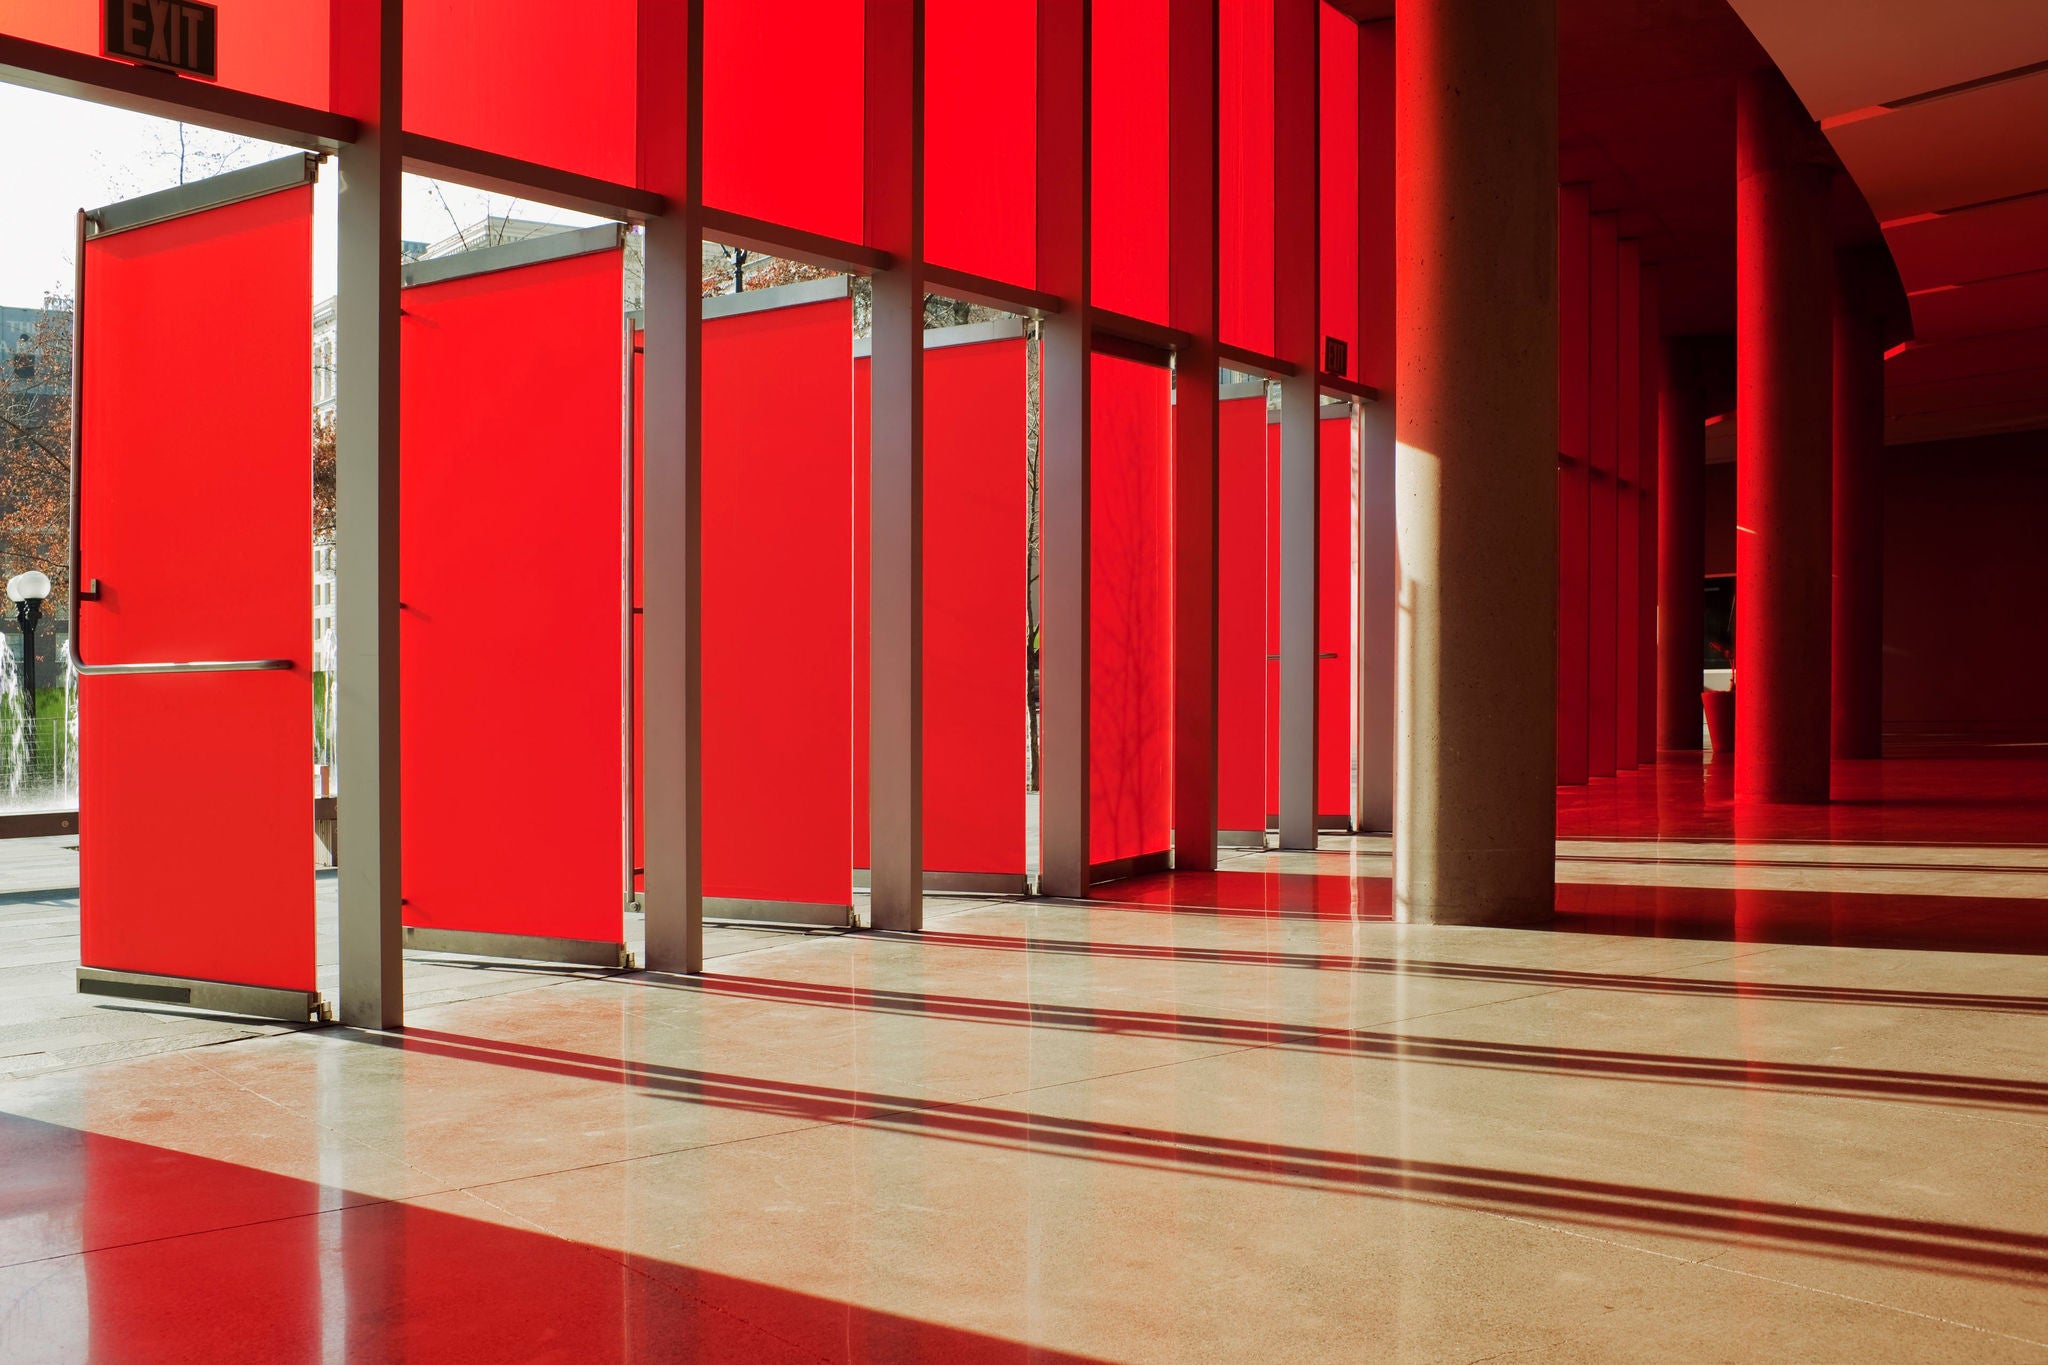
(178, 35)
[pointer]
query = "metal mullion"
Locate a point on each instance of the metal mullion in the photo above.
(78, 75)
(530, 180)
(1296, 292)
(369, 68)
(1193, 284)
(1063, 171)
(893, 173)
(794, 244)
(671, 119)
(990, 293)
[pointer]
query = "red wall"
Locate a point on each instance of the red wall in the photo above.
(1965, 563)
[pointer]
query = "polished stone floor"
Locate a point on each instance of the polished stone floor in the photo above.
(1752, 1098)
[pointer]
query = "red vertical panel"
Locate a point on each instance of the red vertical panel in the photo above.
(1128, 146)
(974, 621)
(1601, 441)
(974, 676)
(1333, 615)
(1241, 611)
(1337, 140)
(1376, 203)
(524, 491)
(1628, 530)
(274, 48)
(981, 137)
(195, 460)
(783, 101)
(778, 621)
(512, 77)
(1130, 635)
(1574, 521)
(1245, 174)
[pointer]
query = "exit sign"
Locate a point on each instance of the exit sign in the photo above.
(177, 35)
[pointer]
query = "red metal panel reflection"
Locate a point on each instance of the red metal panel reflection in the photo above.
(1128, 145)
(1245, 174)
(1337, 140)
(1130, 689)
(500, 492)
(981, 137)
(778, 624)
(197, 479)
(783, 112)
(1241, 610)
(512, 77)
(274, 48)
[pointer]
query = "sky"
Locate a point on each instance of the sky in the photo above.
(62, 155)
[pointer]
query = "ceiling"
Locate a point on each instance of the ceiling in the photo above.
(1939, 111)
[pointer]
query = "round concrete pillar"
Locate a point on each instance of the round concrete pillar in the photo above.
(1476, 337)
(1681, 545)
(1857, 729)
(1784, 353)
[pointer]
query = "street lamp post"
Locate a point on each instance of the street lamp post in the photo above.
(27, 591)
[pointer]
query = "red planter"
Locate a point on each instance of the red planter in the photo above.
(1720, 709)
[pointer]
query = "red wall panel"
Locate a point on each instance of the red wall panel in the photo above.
(480, 72)
(1130, 691)
(981, 137)
(974, 619)
(1964, 559)
(197, 461)
(1333, 616)
(784, 112)
(1241, 609)
(274, 48)
(1574, 511)
(498, 489)
(1128, 146)
(1628, 520)
(1245, 174)
(778, 621)
(1603, 417)
(1337, 141)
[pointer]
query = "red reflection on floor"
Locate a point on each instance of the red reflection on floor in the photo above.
(187, 1258)
(1281, 895)
(1984, 797)
(1978, 799)
(1844, 919)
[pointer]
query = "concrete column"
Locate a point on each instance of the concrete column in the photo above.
(1784, 319)
(1681, 545)
(1857, 669)
(1476, 337)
